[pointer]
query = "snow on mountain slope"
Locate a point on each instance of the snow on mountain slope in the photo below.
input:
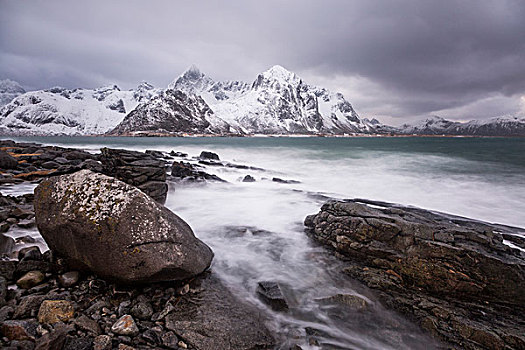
(277, 102)
(173, 111)
(497, 126)
(9, 89)
(59, 111)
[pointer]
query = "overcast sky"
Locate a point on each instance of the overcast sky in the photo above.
(395, 60)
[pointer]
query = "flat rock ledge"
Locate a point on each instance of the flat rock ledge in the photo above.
(461, 279)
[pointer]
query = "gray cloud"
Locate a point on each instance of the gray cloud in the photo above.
(397, 59)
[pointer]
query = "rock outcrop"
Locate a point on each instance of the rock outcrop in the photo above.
(141, 170)
(456, 276)
(114, 229)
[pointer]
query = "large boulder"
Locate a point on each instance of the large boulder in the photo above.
(117, 231)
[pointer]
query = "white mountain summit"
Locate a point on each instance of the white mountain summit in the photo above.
(277, 102)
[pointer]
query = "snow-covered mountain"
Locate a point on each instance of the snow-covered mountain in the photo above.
(498, 126)
(277, 102)
(60, 111)
(9, 89)
(173, 111)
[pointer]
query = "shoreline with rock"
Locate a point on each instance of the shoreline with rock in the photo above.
(453, 276)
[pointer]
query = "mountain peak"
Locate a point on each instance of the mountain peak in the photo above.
(280, 73)
(10, 86)
(191, 80)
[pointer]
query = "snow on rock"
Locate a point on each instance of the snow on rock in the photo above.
(277, 102)
(60, 111)
(173, 111)
(497, 126)
(9, 89)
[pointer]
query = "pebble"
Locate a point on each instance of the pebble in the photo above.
(30, 279)
(53, 311)
(68, 279)
(125, 326)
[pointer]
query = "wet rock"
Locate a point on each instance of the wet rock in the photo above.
(86, 324)
(83, 343)
(69, 279)
(102, 342)
(189, 172)
(30, 279)
(28, 306)
(156, 154)
(29, 253)
(6, 244)
(248, 178)
(26, 223)
(350, 300)
(7, 161)
(282, 181)
(151, 337)
(125, 326)
(50, 165)
(3, 290)
(137, 169)
(19, 330)
(217, 320)
(270, 292)
(52, 340)
(116, 230)
(53, 311)
(25, 266)
(142, 311)
(178, 154)
(443, 270)
(170, 340)
(209, 155)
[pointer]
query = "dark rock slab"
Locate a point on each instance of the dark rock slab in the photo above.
(189, 172)
(453, 274)
(209, 155)
(270, 292)
(212, 318)
(115, 230)
(138, 169)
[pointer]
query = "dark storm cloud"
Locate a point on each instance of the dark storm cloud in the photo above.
(398, 58)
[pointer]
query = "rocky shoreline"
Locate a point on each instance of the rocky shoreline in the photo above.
(453, 275)
(461, 280)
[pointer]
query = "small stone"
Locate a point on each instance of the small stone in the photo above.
(87, 324)
(52, 340)
(125, 347)
(182, 344)
(3, 290)
(28, 306)
(6, 312)
(142, 311)
(30, 279)
(82, 343)
(26, 223)
(53, 311)
(68, 279)
(30, 253)
(19, 330)
(123, 308)
(209, 155)
(184, 290)
(102, 342)
(151, 337)
(350, 300)
(170, 340)
(248, 178)
(125, 326)
(167, 309)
